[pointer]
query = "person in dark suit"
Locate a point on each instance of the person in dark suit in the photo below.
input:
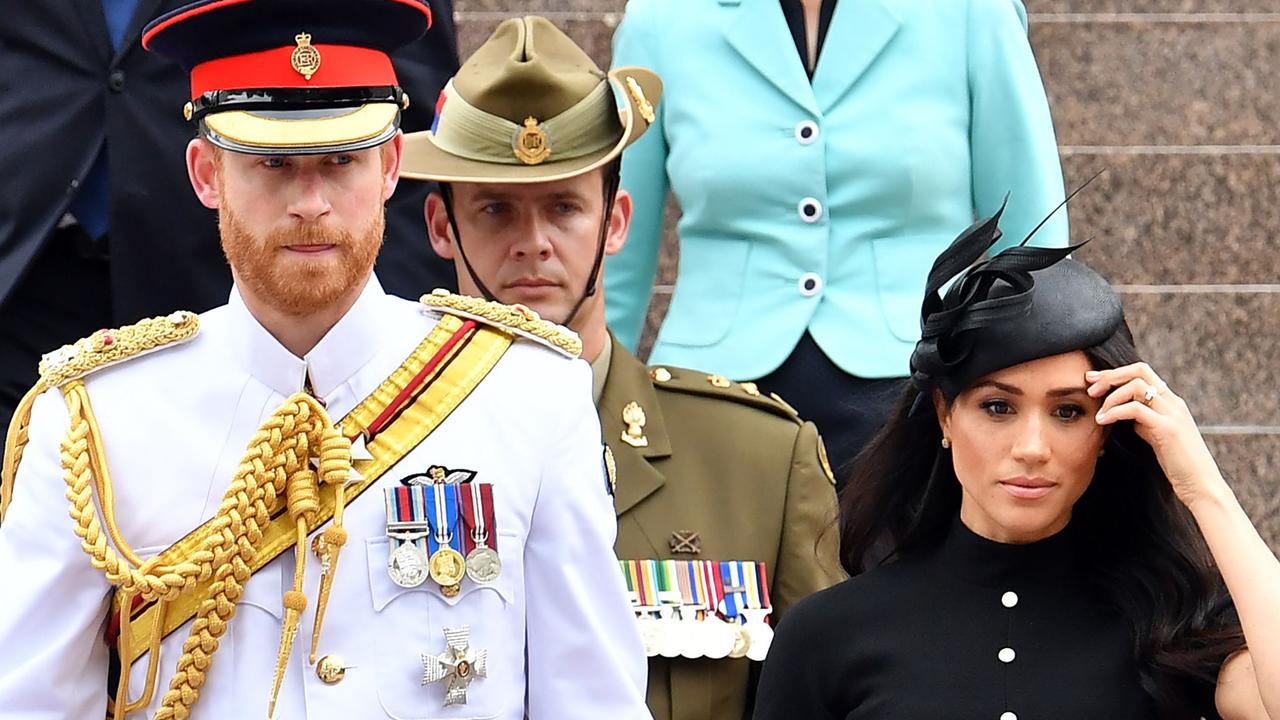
(98, 225)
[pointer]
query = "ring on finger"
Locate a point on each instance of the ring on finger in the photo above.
(1150, 394)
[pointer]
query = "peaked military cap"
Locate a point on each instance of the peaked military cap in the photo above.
(530, 106)
(291, 76)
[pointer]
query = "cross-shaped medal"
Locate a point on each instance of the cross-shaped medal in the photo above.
(457, 666)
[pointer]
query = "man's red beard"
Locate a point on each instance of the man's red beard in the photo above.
(298, 287)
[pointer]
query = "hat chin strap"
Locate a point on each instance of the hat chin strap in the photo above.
(610, 194)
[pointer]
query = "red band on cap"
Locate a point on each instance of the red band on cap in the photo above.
(340, 66)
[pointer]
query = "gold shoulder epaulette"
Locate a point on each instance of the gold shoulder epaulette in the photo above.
(718, 386)
(108, 347)
(515, 319)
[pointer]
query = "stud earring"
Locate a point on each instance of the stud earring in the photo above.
(946, 443)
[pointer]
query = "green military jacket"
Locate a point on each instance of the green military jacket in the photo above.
(743, 472)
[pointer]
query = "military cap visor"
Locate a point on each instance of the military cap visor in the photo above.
(530, 106)
(291, 76)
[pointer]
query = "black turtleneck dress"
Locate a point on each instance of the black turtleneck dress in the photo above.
(970, 630)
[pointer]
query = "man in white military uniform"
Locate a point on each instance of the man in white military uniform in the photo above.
(420, 525)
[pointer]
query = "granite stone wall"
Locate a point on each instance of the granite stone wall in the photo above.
(1180, 101)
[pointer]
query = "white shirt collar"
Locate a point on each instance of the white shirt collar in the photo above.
(346, 348)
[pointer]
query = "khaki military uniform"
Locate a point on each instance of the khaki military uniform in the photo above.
(740, 470)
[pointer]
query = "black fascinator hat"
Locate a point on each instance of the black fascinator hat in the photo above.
(1021, 304)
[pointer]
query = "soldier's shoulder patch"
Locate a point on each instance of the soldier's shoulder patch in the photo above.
(514, 319)
(110, 347)
(694, 382)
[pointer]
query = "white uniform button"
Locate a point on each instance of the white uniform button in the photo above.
(810, 284)
(1007, 655)
(806, 132)
(810, 210)
(1009, 599)
(1008, 716)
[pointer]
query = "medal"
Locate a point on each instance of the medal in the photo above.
(447, 566)
(407, 566)
(735, 591)
(407, 531)
(690, 639)
(669, 601)
(642, 605)
(718, 635)
(457, 666)
(483, 565)
(757, 611)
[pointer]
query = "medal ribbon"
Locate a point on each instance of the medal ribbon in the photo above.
(442, 506)
(715, 589)
(731, 577)
(647, 583)
(406, 513)
(751, 581)
(762, 580)
(478, 515)
(669, 591)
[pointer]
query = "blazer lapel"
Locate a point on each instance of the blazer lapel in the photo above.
(94, 24)
(143, 13)
(628, 382)
(858, 33)
(757, 30)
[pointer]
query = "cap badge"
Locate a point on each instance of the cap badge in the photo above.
(531, 144)
(305, 58)
(633, 417)
(642, 103)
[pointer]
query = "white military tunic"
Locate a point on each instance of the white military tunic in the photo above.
(560, 639)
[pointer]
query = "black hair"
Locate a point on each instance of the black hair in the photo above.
(1142, 550)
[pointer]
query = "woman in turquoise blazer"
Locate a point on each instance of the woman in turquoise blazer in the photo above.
(814, 206)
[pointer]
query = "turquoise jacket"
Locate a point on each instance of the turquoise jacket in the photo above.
(822, 206)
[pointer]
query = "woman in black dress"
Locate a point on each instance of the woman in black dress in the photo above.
(1039, 533)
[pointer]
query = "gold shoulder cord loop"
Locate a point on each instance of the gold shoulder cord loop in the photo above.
(15, 442)
(278, 462)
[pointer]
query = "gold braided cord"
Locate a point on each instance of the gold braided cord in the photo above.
(278, 464)
(15, 442)
(512, 318)
(107, 347)
(81, 449)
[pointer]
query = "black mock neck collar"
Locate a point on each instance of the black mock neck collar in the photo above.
(994, 564)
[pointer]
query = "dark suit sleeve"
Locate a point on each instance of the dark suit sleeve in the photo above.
(807, 558)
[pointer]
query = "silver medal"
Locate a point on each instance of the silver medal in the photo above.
(483, 565)
(408, 565)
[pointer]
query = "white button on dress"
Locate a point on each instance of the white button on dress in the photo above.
(1007, 655)
(1009, 599)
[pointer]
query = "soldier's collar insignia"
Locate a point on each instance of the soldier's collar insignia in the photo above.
(610, 470)
(633, 417)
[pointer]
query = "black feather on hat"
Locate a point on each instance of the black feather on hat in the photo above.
(1022, 304)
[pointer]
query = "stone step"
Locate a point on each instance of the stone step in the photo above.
(1154, 84)
(1251, 463)
(1171, 219)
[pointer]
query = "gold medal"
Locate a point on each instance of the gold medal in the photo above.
(448, 567)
